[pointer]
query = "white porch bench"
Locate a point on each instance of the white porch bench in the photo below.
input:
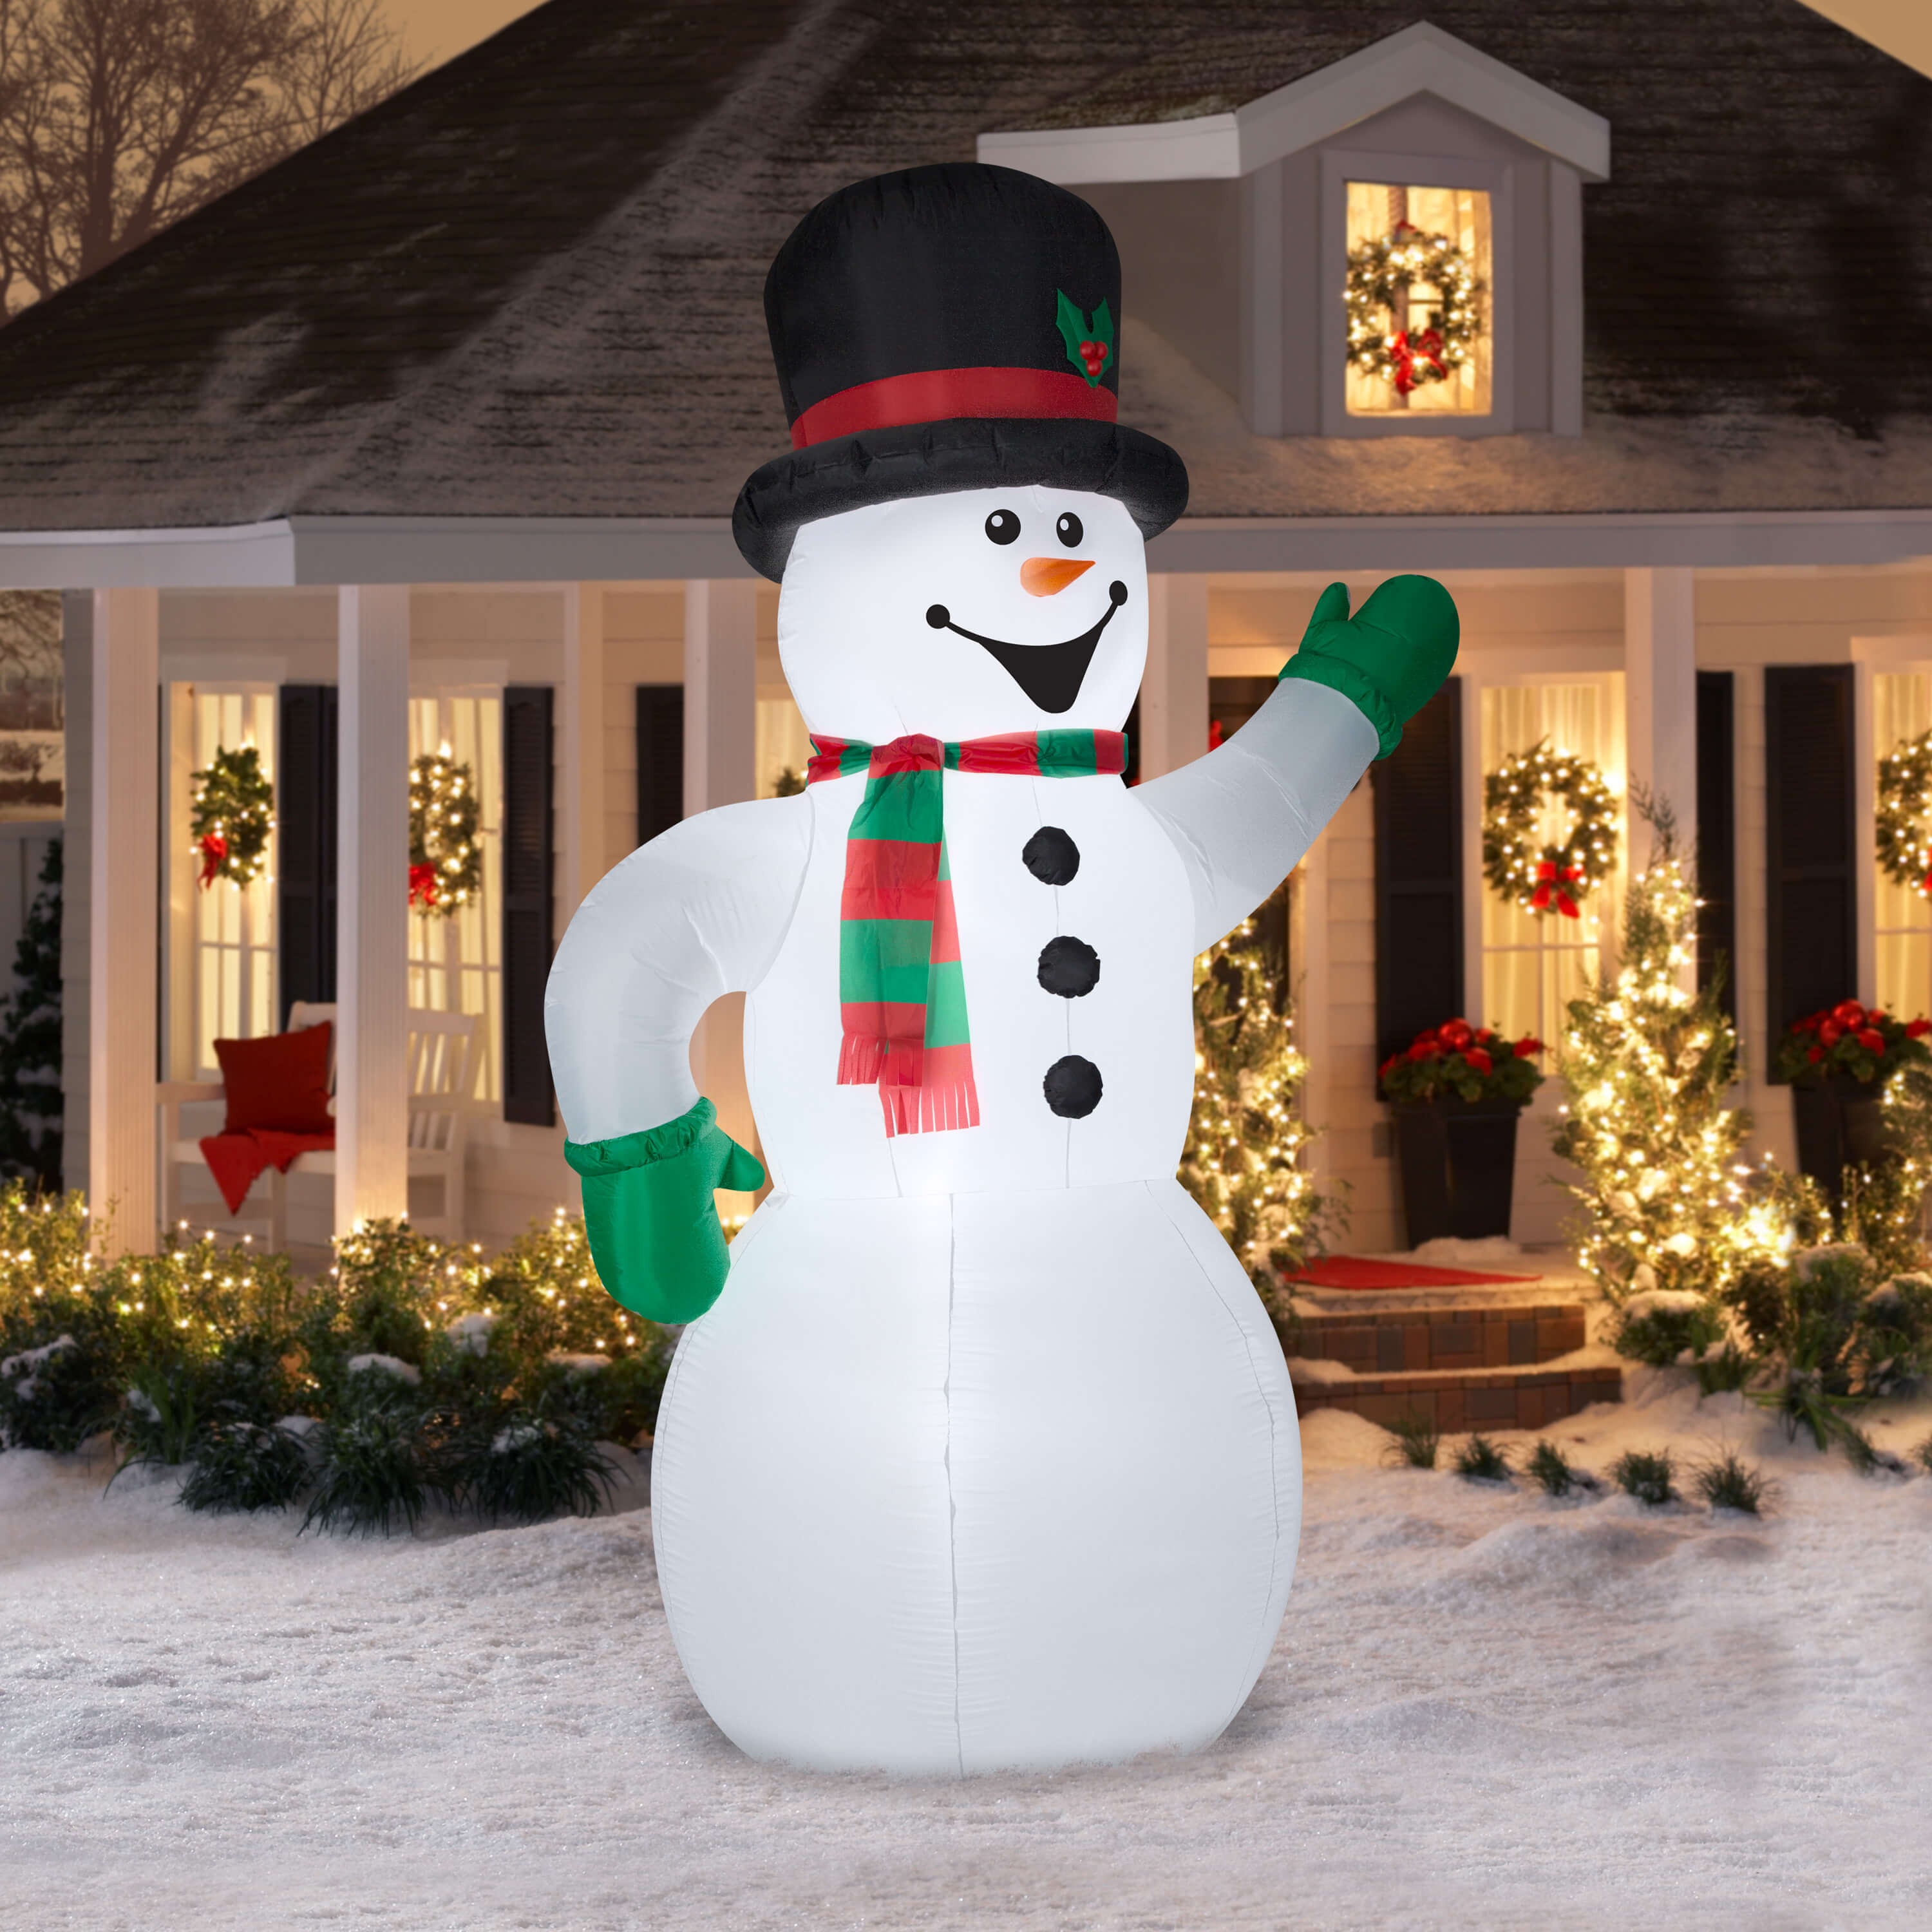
(443, 1062)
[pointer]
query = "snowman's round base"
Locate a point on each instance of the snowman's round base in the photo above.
(977, 1482)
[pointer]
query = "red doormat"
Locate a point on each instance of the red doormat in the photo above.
(1349, 1271)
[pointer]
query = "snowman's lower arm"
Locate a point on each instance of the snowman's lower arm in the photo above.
(697, 913)
(1242, 817)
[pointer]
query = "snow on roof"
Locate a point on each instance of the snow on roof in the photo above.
(531, 284)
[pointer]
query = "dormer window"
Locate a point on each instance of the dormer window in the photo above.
(1241, 233)
(1416, 298)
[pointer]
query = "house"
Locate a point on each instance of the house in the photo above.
(431, 434)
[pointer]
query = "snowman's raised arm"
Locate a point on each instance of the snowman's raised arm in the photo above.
(699, 912)
(1242, 817)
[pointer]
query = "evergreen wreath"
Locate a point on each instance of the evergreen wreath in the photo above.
(1551, 878)
(445, 856)
(233, 815)
(1904, 806)
(1380, 274)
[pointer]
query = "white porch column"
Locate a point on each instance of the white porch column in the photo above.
(124, 890)
(721, 691)
(372, 905)
(1174, 691)
(1661, 693)
(581, 793)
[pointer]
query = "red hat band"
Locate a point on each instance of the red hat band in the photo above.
(941, 395)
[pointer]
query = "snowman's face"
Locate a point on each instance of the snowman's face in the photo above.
(958, 616)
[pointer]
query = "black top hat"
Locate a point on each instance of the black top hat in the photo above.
(948, 328)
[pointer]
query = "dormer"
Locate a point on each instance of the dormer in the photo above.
(1392, 245)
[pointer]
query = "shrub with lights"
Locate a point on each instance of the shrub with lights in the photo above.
(445, 855)
(1457, 1060)
(1242, 1159)
(1668, 1203)
(415, 1374)
(1543, 876)
(1384, 339)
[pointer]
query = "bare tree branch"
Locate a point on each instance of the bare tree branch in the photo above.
(119, 117)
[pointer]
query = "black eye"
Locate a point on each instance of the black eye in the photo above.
(1003, 526)
(1069, 530)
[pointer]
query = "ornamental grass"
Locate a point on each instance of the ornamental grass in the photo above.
(415, 1375)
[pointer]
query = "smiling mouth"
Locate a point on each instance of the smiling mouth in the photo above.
(1050, 674)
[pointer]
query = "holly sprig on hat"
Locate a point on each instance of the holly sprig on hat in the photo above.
(1090, 343)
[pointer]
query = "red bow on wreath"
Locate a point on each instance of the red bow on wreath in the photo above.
(1550, 884)
(422, 885)
(1405, 353)
(214, 850)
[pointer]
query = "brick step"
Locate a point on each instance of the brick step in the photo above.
(1414, 1341)
(1463, 1400)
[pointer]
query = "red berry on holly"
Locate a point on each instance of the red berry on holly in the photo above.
(1872, 1040)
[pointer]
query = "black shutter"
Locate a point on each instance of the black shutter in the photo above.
(305, 830)
(528, 886)
(1418, 805)
(660, 759)
(1812, 935)
(1717, 839)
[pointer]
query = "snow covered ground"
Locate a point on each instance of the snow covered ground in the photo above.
(1486, 1710)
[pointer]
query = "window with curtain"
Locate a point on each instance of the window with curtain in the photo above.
(1534, 965)
(1901, 710)
(1377, 209)
(456, 964)
(233, 974)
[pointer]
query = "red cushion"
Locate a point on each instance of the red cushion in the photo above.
(280, 1081)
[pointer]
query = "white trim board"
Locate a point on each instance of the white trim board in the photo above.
(1421, 59)
(506, 551)
(298, 550)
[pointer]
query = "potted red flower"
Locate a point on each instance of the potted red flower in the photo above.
(1838, 1061)
(1456, 1091)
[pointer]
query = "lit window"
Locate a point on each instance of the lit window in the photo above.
(456, 963)
(233, 927)
(1419, 274)
(1901, 711)
(1534, 965)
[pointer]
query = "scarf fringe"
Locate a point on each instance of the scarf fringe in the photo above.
(938, 1107)
(862, 1059)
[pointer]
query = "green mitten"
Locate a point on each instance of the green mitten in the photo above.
(1390, 658)
(648, 1210)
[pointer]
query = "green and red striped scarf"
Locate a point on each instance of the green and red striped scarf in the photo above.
(901, 983)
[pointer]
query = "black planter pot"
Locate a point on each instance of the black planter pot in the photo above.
(1840, 1124)
(1458, 1160)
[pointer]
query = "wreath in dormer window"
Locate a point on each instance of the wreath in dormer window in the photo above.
(1383, 338)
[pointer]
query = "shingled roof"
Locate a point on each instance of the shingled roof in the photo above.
(530, 284)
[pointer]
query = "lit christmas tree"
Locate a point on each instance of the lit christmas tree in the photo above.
(1242, 1160)
(30, 1042)
(1645, 1064)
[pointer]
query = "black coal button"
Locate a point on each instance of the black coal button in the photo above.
(1072, 1088)
(1051, 857)
(1068, 967)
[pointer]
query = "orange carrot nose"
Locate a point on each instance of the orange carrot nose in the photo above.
(1042, 576)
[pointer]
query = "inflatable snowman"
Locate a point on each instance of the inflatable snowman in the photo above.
(983, 1454)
